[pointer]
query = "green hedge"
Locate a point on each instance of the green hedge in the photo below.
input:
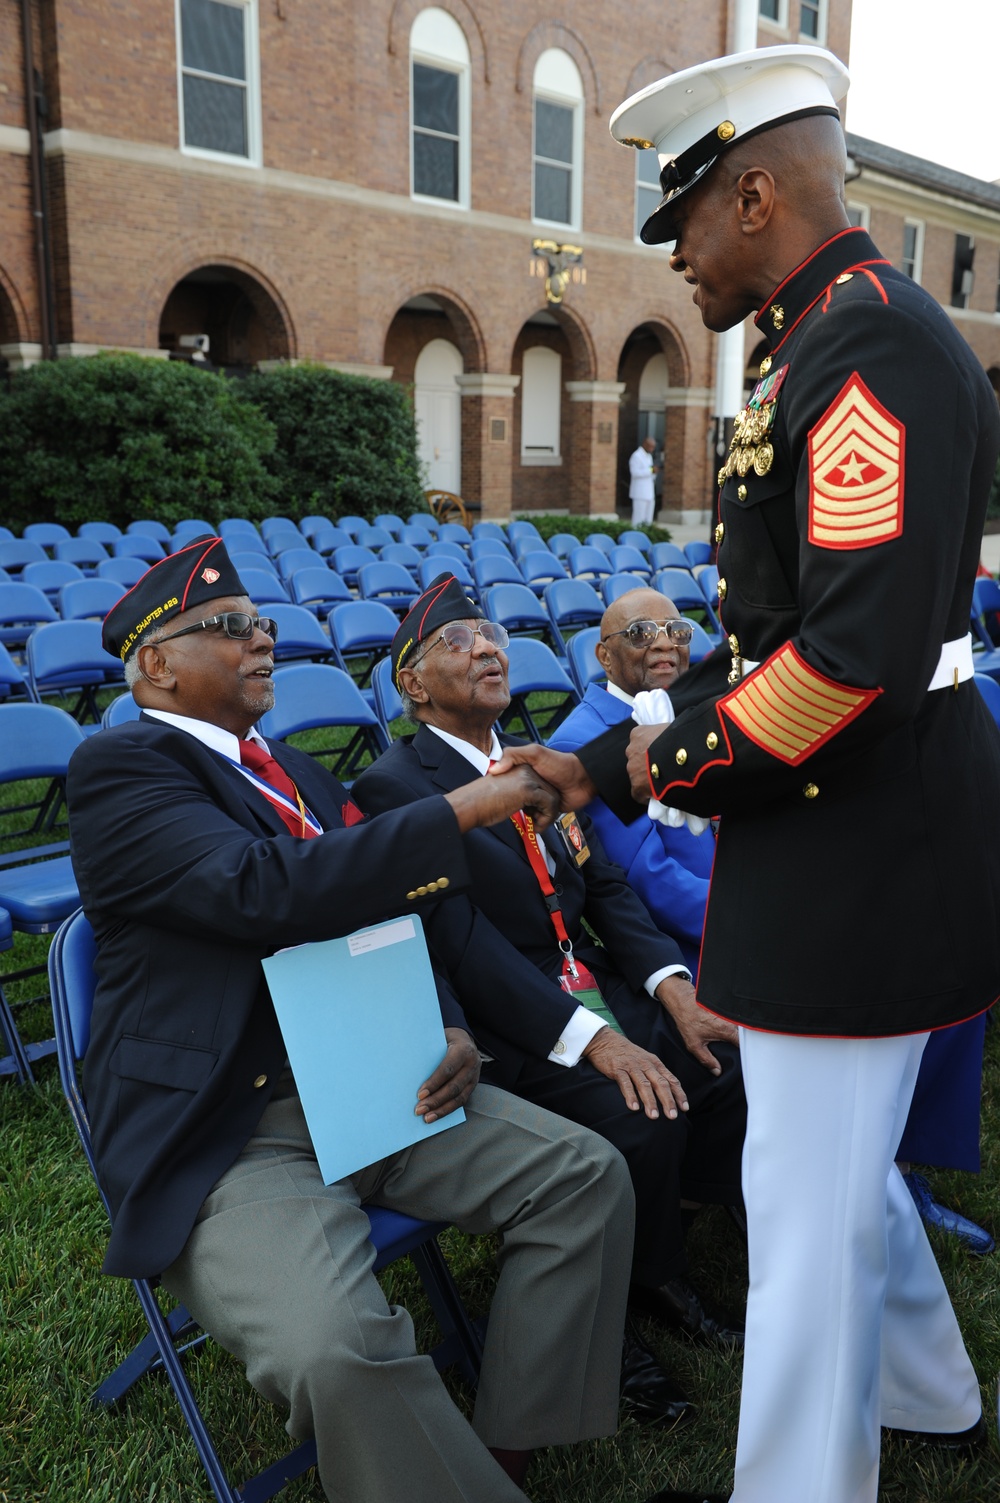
(120, 437)
(345, 444)
(581, 527)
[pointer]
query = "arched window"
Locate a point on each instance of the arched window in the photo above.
(541, 404)
(439, 108)
(557, 186)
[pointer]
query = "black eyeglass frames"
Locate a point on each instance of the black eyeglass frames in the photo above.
(238, 624)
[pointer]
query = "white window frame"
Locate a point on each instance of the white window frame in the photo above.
(574, 103)
(822, 15)
(640, 183)
(779, 23)
(446, 63)
(251, 35)
(542, 455)
(918, 226)
(863, 212)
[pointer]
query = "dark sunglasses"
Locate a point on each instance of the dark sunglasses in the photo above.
(642, 634)
(238, 624)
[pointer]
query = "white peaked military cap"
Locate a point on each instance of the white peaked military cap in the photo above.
(693, 116)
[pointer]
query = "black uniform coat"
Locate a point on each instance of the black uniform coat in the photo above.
(856, 888)
(189, 877)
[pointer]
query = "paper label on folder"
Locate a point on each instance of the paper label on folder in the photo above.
(362, 1026)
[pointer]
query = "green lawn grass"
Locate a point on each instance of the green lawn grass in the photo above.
(65, 1326)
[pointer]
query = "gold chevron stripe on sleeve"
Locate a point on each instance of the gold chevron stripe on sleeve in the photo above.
(856, 472)
(790, 710)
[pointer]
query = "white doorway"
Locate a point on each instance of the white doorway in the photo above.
(653, 386)
(438, 405)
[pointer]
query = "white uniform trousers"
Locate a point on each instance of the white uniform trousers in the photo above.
(643, 508)
(849, 1325)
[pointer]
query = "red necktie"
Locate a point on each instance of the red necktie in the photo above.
(253, 755)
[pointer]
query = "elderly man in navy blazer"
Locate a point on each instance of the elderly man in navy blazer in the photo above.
(606, 1034)
(199, 851)
(644, 647)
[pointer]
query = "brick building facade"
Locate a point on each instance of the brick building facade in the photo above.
(362, 185)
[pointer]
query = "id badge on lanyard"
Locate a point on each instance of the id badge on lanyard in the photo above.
(582, 985)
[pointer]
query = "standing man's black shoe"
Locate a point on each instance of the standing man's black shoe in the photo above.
(678, 1304)
(648, 1392)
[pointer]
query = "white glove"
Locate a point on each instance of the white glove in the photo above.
(653, 707)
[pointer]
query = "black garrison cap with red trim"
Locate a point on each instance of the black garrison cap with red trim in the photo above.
(199, 572)
(443, 600)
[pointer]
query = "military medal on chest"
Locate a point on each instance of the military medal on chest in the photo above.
(751, 448)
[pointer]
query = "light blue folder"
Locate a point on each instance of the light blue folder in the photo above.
(362, 1026)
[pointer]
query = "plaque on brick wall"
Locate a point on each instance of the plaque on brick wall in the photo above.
(498, 430)
(605, 433)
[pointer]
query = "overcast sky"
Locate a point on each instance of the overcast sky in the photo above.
(925, 78)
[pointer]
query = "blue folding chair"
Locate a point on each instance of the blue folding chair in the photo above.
(522, 529)
(85, 599)
(454, 532)
(583, 665)
(37, 886)
(489, 530)
(139, 545)
(617, 585)
(494, 570)
(669, 556)
(352, 524)
(319, 590)
(375, 538)
(276, 523)
(990, 690)
(99, 532)
(325, 536)
(15, 1060)
(449, 550)
(391, 522)
(347, 561)
(627, 560)
(67, 658)
(562, 544)
(433, 565)
(50, 576)
(46, 533)
(14, 555)
(423, 519)
(401, 553)
(539, 568)
(634, 538)
(259, 561)
(22, 609)
(300, 635)
(14, 682)
(248, 540)
(263, 587)
(707, 576)
(232, 527)
(534, 669)
(361, 633)
(150, 528)
(488, 547)
(127, 571)
(572, 604)
(698, 552)
(590, 563)
(193, 527)
(519, 609)
(393, 1235)
(602, 540)
(120, 710)
(85, 552)
(388, 703)
(416, 536)
(298, 558)
(390, 583)
(310, 697)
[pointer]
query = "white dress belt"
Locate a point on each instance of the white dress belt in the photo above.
(954, 666)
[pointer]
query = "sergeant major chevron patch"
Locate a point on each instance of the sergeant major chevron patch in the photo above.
(856, 454)
(790, 710)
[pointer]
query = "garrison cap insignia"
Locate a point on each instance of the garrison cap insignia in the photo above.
(210, 575)
(790, 710)
(856, 454)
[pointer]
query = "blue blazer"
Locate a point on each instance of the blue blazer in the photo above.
(669, 869)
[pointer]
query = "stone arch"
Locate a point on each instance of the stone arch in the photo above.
(243, 314)
(654, 335)
(649, 71)
(578, 337)
(432, 312)
(405, 12)
(13, 315)
(557, 34)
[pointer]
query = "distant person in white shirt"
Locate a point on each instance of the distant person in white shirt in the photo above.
(641, 470)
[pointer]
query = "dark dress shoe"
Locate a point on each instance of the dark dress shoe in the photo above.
(649, 1394)
(944, 1440)
(678, 1304)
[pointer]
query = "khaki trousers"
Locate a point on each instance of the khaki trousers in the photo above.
(278, 1268)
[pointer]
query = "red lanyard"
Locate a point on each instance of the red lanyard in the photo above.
(525, 826)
